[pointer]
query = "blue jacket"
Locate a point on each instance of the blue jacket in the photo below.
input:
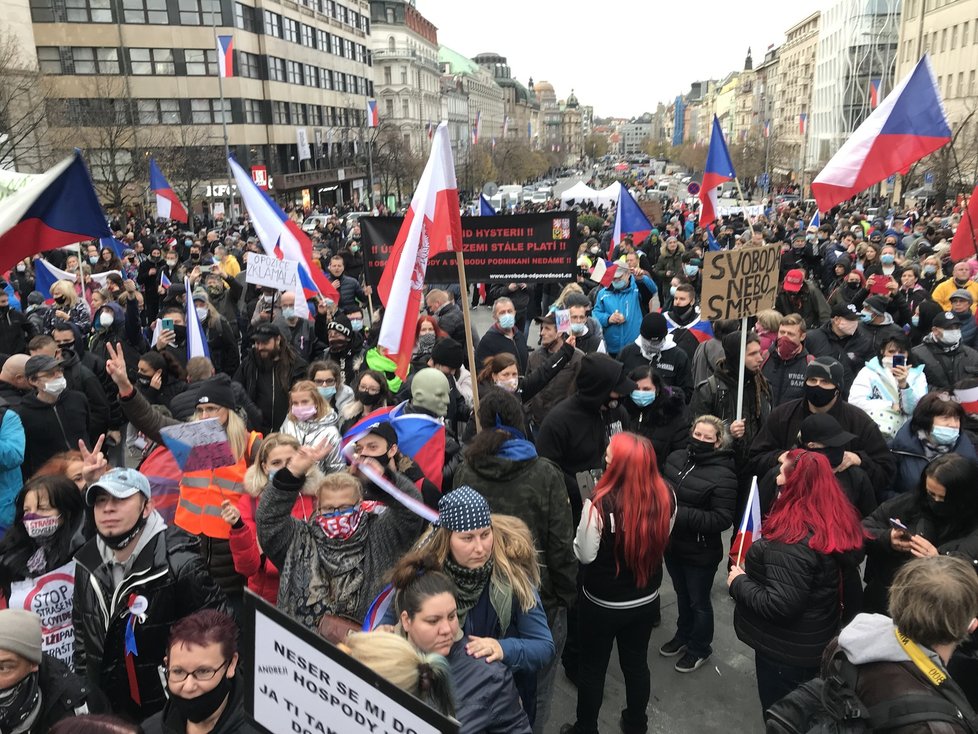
(628, 303)
(908, 451)
(12, 441)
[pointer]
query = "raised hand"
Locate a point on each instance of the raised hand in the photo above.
(94, 463)
(115, 365)
(306, 456)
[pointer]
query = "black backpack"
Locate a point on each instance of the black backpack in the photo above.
(830, 705)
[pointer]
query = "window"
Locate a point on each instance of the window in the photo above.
(145, 11)
(361, 52)
(960, 83)
(208, 111)
(322, 40)
(315, 115)
(405, 108)
(335, 43)
(248, 65)
(971, 83)
(273, 24)
(42, 11)
(403, 75)
(276, 69)
(326, 78)
(291, 30)
(954, 38)
(347, 48)
(252, 112)
(944, 40)
(330, 8)
(158, 111)
(389, 107)
(146, 61)
(280, 113)
(295, 72)
(244, 17)
(49, 60)
(297, 111)
(390, 16)
(95, 60)
(308, 36)
(950, 83)
(387, 75)
(201, 62)
(340, 80)
(88, 11)
(310, 75)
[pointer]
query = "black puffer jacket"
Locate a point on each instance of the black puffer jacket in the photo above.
(63, 695)
(788, 605)
(232, 721)
(486, 695)
(706, 495)
(168, 571)
(665, 423)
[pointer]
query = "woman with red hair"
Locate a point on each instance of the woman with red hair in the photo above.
(789, 599)
(426, 334)
(620, 540)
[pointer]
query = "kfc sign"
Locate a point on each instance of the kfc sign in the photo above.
(259, 174)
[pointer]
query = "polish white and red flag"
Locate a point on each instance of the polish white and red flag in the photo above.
(431, 226)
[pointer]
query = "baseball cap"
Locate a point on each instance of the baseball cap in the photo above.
(384, 430)
(824, 429)
(40, 363)
(548, 319)
(846, 311)
(946, 320)
(827, 368)
(877, 304)
(121, 483)
(264, 332)
(793, 280)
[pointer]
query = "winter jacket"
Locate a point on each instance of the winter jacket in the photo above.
(668, 264)
(670, 363)
(718, 396)
(780, 433)
(852, 352)
(166, 570)
(451, 321)
(64, 695)
(15, 331)
(558, 387)
(51, 429)
(223, 344)
(879, 334)
(876, 392)
(125, 330)
(943, 367)
(786, 378)
(262, 382)
(911, 459)
(705, 485)
(957, 536)
(12, 447)
(485, 695)
(787, 604)
(232, 721)
(312, 432)
(495, 342)
(84, 380)
(518, 482)
(351, 294)
(681, 329)
(809, 303)
(665, 423)
(942, 293)
(854, 482)
(627, 302)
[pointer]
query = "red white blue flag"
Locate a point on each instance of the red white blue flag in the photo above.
(373, 115)
(767, 128)
(604, 272)
(874, 93)
(750, 526)
(629, 219)
(719, 168)
(225, 58)
(168, 205)
(802, 123)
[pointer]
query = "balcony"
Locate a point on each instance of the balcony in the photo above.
(288, 181)
(404, 54)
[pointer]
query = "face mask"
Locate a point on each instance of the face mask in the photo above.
(354, 249)
(834, 454)
(507, 321)
(944, 435)
(105, 320)
(820, 396)
(303, 412)
(672, 290)
(619, 285)
(288, 313)
(60, 300)
(118, 542)
(340, 525)
(643, 398)
(195, 256)
(202, 313)
(698, 446)
(578, 329)
(867, 317)
(93, 259)
(327, 392)
(56, 386)
(887, 362)
(368, 398)
(188, 242)
(144, 381)
(171, 263)
(21, 268)
(180, 333)
(215, 291)
(691, 270)
(203, 706)
(887, 259)
(356, 324)
(929, 269)
(509, 385)
(426, 342)
(939, 509)
(40, 526)
(915, 320)
(847, 327)
(786, 348)
(18, 702)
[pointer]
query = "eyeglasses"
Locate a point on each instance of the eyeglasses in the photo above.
(326, 383)
(179, 675)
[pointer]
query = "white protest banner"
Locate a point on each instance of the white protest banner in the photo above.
(199, 445)
(50, 597)
(301, 684)
(755, 210)
(282, 275)
(739, 283)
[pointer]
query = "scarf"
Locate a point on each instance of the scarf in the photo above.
(471, 582)
(932, 450)
(940, 346)
(650, 349)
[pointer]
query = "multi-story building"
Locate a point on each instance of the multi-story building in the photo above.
(745, 111)
(635, 133)
(521, 111)
(407, 77)
(857, 42)
(129, 77)
(486, 101)
(725, 103)
(796, 74)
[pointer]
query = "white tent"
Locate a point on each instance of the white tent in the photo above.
(579, 192)
(610, 194)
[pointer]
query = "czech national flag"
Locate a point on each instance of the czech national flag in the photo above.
(604, 272)
(816, 221)
(373, 116)
(711, 241)
(629, 219)
(164, 281)
(168, 205)
(767, 128)
(802, 123)
(46, 275)
(485, 208)
(119, 248)
(55, 209)
(225, 57)
(874, 93)
(910, 123)
(702, 330)
(719, 168)
(750, 526)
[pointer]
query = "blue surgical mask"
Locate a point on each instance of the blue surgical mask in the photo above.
(578, 329)
(867, 317)
(619, 285)
(691, 270)
(188, 242)
(915, 319)
(643, 398)
(944, 435)
(93, 259)
(672, 290)
(327, 392)
(356, 324)
(507, 321)
(288, 312)
(887, 259)
(929, 270)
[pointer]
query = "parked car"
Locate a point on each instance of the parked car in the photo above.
(313, 221)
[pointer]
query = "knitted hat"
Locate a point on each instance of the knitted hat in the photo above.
(20, 633)
(448, 353)
(216, 392)
(463, 510)
(827, 368)
(654, 326)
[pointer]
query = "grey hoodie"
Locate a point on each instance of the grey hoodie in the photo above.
(155, 524)
(869, 638)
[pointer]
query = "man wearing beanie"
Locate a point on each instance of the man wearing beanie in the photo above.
(36, 689)
(345, 346)
(656, 348)
(556, 362)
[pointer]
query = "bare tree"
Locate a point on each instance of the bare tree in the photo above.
(22, 123)
(395, 165)
(515, 162)
(192, 156)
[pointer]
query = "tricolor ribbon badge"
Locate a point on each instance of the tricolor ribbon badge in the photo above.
(137, 613)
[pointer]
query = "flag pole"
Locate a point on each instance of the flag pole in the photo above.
(743, 521)
(224, 125)
(467, 320)
(743, 320)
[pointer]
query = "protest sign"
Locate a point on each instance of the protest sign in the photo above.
(300, 683)
(739, 283)
(199, 445)
(282, 275)
(520, 248)
(754, 210)
(50, 597)
(562, 319)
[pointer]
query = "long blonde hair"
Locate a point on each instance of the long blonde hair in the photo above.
(256, 479)
(513, 554)
(67, 289)
(323, 408)
(237, 435)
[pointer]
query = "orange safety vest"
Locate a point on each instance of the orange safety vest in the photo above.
(202, 492)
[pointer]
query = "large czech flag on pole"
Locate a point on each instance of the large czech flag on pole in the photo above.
(431, 226)
(168, 204)
(629, 219)
(55, 209)
(719, 169)
(909, 123)
(280, 236)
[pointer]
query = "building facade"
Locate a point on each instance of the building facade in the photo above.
(485, 97)
(796, 74)
(635, 133)
(521, 111)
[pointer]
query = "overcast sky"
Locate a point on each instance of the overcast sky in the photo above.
(620, 56)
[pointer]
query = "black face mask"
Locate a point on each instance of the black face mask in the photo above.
(118, 542)
(833, 453)
(180, 332)
(203, 706)
(697, 446)
(18, 702)
(941, 510)
(144, 381)
(368, 399)
(820, 396)
(67, 353)
(682, 311)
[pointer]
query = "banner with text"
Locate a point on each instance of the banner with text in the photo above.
(521, 248)
(300, 683)
(271, 272)
(50, 596)
(738, 283)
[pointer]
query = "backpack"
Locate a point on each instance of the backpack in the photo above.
(830, 705)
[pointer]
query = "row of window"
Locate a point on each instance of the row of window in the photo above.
(954, 85)
(947, 39)
(68, 112)
(277, 25)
